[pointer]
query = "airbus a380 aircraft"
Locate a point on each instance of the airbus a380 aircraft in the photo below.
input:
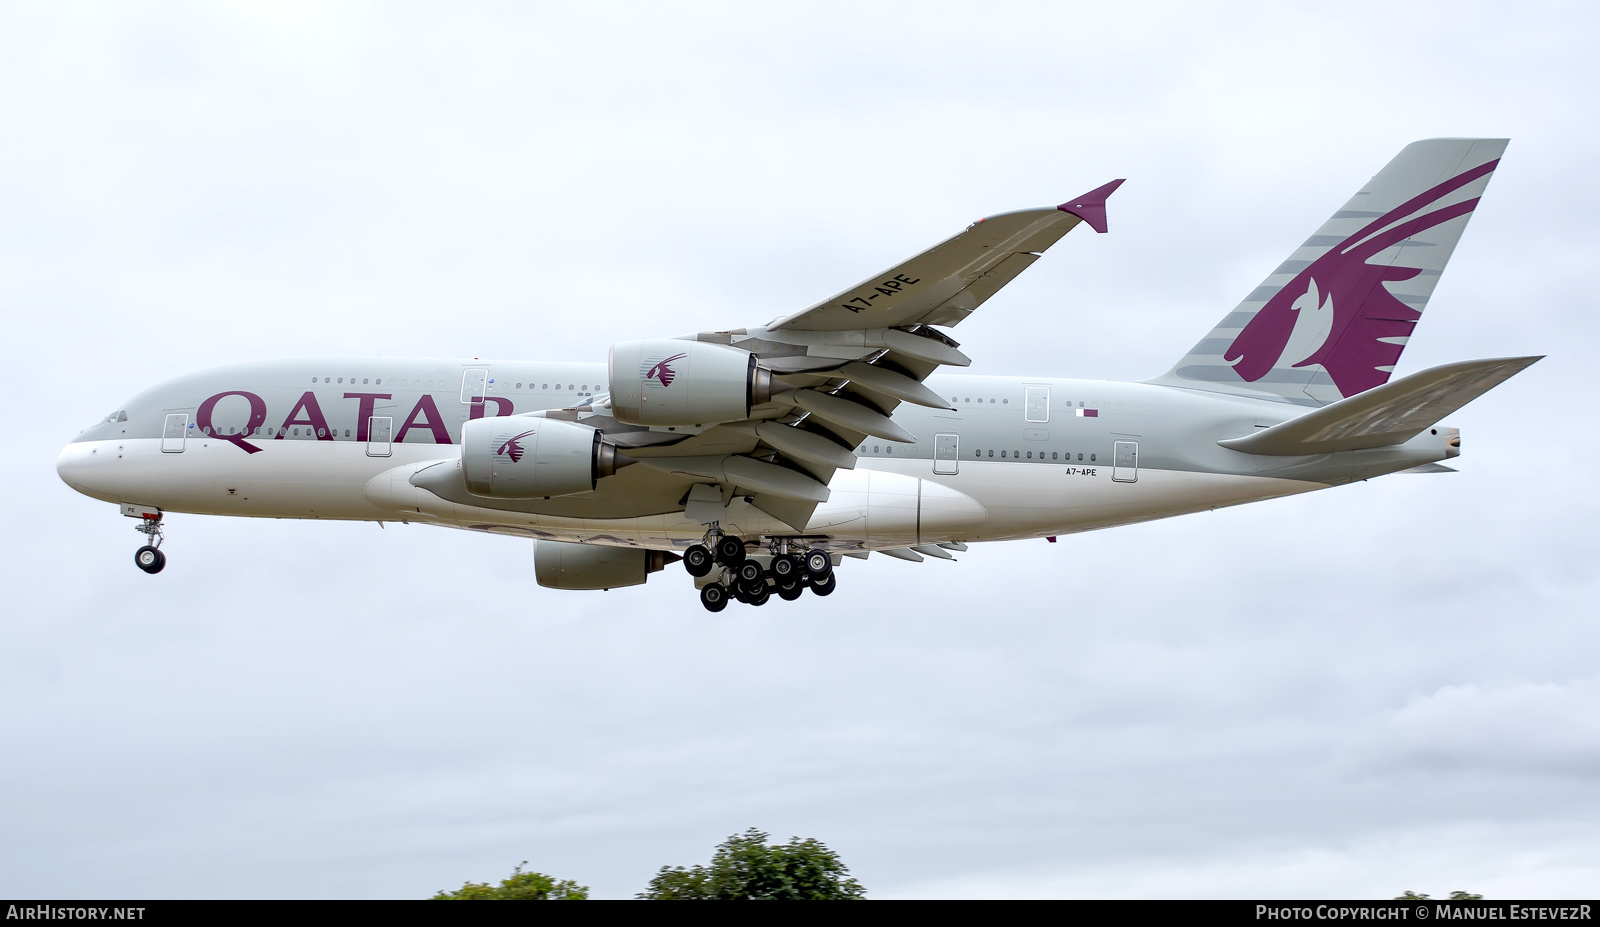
(760, 456)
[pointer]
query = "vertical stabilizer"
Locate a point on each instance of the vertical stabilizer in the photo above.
(1332, 320)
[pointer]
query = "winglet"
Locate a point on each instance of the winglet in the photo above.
(1091, 207)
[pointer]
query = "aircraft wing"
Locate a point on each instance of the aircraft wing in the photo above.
(944, 284)
(839, 368)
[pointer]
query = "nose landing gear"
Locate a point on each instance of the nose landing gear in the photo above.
(149, 558)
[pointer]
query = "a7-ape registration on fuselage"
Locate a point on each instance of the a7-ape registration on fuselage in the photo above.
(761, 456)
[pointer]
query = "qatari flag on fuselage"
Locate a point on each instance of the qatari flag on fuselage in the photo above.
(1088, 413)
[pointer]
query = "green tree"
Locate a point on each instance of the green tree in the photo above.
(1454, 896)
(520, 886)
(745, 868)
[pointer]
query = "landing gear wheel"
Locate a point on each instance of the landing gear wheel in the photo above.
(751, 572)
(714, 596)
(818, 563)
(730, 550)
(824, 585)
(790, 593)
(697, 560)
(149, 559)
(784, 568)
(759, 595)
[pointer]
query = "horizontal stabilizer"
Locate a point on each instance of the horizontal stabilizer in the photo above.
(1386, 415)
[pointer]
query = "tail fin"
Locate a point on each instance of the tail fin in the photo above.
(1331, 321)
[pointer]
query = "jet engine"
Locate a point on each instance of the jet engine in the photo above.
(517, 457)
(668, 382)
(564, 565)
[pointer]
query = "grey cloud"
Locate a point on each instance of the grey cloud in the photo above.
(1544, 728)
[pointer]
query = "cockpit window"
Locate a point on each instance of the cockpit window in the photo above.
(117, 417)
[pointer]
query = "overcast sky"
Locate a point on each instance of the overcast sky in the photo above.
(1380, 687)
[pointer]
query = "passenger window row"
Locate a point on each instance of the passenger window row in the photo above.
(957, 400)
(270, 432)
(1029, 455)
(429, 384)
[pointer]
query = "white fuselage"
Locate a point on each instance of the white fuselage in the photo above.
(876, 505)
(1087, 455)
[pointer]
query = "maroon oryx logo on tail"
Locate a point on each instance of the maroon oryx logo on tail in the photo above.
(514, 450)
(663, 372)
(1337, 312)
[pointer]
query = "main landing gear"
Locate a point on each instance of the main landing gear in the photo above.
(788, 573)
(149, 558)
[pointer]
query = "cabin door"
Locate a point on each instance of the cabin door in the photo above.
(380, 431)
(174, 432)
(1125, 462)
(1037, 403)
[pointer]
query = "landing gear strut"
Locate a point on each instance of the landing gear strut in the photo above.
(149, 558)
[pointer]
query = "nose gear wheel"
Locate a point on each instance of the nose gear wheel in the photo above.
(149, 557)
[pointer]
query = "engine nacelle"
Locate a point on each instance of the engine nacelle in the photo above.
(668, 382)
(564, 565)
(518, 457)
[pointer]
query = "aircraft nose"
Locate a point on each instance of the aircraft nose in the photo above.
(79, 466)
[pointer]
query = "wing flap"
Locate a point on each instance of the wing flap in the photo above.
(902, 553)
(893, 385)
(806, 445)
(1386, 415)
(852, 415)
